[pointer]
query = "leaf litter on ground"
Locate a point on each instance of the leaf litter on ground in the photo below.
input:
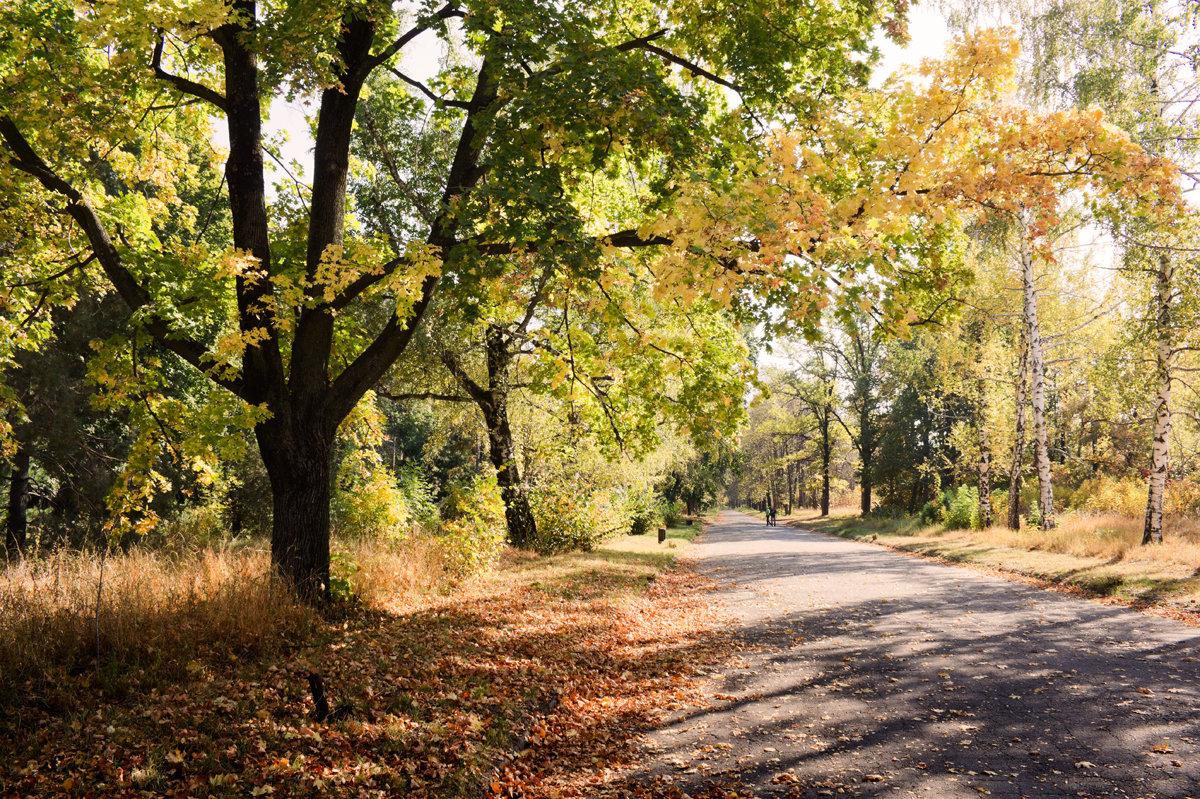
(535, 680)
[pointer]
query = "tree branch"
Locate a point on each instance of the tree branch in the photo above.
(181, 83)
(24, 158)
(427, 91)
(422, 395)
(447, 11)
(465, 172)
(690, 66)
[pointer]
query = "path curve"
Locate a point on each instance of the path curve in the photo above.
(872, 673)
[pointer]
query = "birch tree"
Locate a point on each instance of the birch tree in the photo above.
(1138, 62)
(1037, 377)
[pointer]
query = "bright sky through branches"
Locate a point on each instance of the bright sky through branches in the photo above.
(928, 39)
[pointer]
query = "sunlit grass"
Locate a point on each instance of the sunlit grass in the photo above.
(151, 611)
(1099, 552)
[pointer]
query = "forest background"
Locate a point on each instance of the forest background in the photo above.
(569, 275)
(946, 429)
(333, 324)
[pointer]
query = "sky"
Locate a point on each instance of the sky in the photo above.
(928, 37)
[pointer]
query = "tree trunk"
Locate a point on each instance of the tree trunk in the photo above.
(493, 404)
(1037, 393)
(985, 454)
(299, 466)
(985, 477)
(791, 487)
(826, 457)
(865, 453)
(1018, 450)
(1152, 531)
(17, 523)
(522, 530)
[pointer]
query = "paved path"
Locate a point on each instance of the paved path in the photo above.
(872, 673)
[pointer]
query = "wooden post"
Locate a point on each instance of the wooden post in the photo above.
(662, 534)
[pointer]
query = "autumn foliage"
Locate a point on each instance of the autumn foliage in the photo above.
(533, 681)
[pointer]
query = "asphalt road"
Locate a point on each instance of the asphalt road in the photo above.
(871, 673)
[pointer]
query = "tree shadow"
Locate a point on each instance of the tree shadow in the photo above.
(947, 683)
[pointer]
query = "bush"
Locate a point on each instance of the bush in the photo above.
(672, 514)
(607, 515)
(371, 505)
(1105, 494)
(957, 509)
(563, 520)
(643, 510)
(999, 500)
(962, 508)
(472, 530)
(1183, 497)
(934, 512)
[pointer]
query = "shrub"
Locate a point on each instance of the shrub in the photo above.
(934, 512)
(999, 500)
(369, 500)
(371, 505)
(643, 510)
(672, 514)
(962, 508)
(606, 512)
(1182, 499)
(196, 525)
(1105, 494)
(563, 520)
(957, 509)
(473, 525)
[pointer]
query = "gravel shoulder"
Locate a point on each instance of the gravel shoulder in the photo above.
(871, 673)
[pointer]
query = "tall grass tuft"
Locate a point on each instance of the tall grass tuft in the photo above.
(141, 610)
(1111, 536)
(390, 575)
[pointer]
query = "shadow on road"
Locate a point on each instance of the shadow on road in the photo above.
(877, 674)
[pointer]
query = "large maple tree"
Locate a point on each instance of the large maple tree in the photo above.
(109, 107)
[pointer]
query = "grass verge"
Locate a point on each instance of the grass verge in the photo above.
(533, 680)
(1096, 555)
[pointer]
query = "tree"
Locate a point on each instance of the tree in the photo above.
(871, 199)
(1138, 62)
(299, 315)
(1013, 519)
(623, 363)
(858, 356)
(1037, 383)
(815, 385)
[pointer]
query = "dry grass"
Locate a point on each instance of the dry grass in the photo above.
(560, 660)
(392, 576)
(1100, 552)
(155, 612)
(1109, 537)
(158, 612)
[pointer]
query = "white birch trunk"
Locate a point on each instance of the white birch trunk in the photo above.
(1163, 362)
(1037, 387)
(1018, 449)
(985, 467)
